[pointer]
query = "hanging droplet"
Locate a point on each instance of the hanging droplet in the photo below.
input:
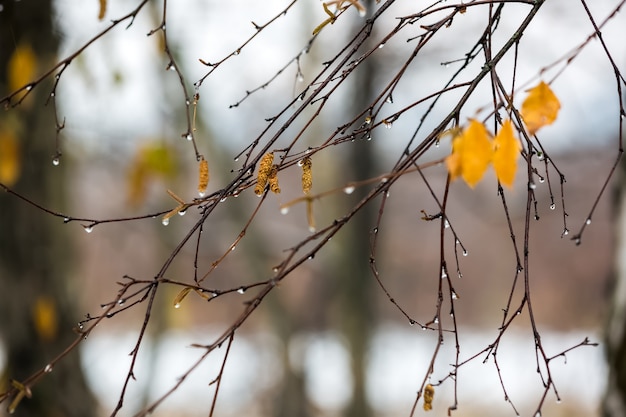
(300, 162)
(237, 52)
(532, 185)
(232, 248)
(284, 210)
(165, 222)
(56, 161)
(188, 136)
(565, 231)
(349, 189)
(446, 224)
(423, 327)
(177, 305)
(465, 252)
(387, 124)
(48, 368)
(121, 301)
(368, 120)
(389, 99)
(538, 413)
(588, 221)
(81, 326)
(436, 320)
(241, 290)
(444, 275)
(222, 199)
(182, 212)
(375, 230)
(552, 206)
(381, 46)
(454, 295)
(542, 180)
(29, 87)
(88, 229)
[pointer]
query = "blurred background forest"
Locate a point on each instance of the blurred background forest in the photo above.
(327, 341)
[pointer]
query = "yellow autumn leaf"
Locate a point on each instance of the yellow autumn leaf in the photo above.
(10, 161)
(21, 67)
(45, 318)
(506, 151)
(471, 153)
(540, 108)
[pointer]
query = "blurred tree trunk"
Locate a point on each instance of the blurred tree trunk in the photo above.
(355, 279)
(36, 304)
(615, 397)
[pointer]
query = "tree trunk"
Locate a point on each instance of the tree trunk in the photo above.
(355, 280)
(614, 404)
(36, 303)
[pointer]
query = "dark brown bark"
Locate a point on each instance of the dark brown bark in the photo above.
(34, 253)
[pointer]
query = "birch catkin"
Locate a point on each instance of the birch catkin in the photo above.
(203, 177)
(265, 169)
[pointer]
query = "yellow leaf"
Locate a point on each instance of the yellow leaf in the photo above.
(45, 318)
(506, 151)
(21, 67)
(471, 153)
(540, 108)
(10, 161)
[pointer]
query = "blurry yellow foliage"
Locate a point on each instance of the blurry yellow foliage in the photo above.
(21, 66)
(153, 160)
(10, 161)
(540, 108)
(45, 318)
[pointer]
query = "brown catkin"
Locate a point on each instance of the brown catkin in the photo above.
(273, 180)
(203, 177)
(429, 395)
(265, 169)
(307, 175)
(103, 9)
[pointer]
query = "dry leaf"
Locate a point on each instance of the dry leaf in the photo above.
(506, 151)
(540, 108)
